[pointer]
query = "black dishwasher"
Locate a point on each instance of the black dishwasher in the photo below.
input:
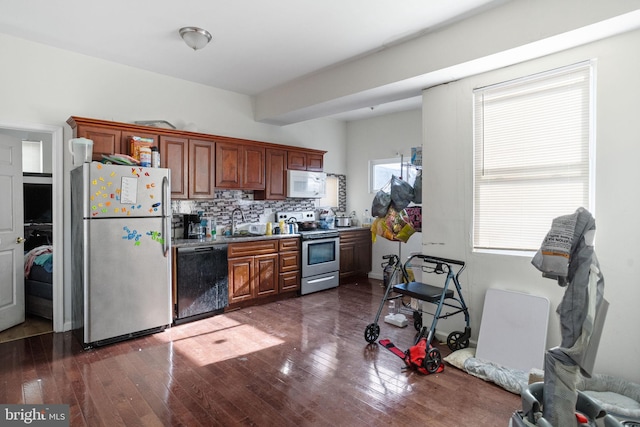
(201, 281)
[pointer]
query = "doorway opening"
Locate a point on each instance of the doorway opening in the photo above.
(49, 226)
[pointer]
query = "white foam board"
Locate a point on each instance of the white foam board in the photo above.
(513, 330)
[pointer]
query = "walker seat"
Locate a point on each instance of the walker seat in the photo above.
(422, 291)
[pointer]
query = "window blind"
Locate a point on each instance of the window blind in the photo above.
(532, 140)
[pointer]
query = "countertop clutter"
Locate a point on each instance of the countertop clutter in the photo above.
(220, 240)
(223, 240)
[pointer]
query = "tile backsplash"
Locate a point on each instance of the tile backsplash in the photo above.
(227, 200)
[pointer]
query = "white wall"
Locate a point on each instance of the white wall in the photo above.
(42, 84)
(447, 207)
(380, 138)
(45, 85)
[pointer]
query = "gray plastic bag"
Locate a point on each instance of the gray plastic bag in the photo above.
(417, 188)
(401, 193)
(381, 201)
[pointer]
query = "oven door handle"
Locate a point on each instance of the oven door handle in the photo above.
(323, 279)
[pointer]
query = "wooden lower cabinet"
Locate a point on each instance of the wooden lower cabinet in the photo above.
(290, 274)
(251, 277)
(264, 268)
(266, 274)
(355, 253)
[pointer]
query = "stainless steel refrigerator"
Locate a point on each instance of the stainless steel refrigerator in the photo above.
(121, 252)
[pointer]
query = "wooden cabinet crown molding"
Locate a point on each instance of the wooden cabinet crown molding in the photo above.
(75, 121)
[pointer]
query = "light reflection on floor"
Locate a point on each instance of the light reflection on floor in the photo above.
(214, 341)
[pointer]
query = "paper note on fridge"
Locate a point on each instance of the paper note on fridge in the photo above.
(129, 190)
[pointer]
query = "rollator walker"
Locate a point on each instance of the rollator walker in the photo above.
(439, 296)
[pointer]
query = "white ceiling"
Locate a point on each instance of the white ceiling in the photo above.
(257, 45)
(264, 48)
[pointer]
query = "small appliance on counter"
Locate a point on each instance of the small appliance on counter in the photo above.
(345, 220)
(192, 226)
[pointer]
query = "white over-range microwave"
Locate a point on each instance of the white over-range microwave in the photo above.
(303, 184)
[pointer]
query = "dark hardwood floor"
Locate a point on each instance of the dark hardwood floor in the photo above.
(302, 361)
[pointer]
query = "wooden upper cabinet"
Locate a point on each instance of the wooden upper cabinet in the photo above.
(276, 176)
(105, 140)
(253, 168)
(240, 166)
(200, 163)
(228, 165)
(315, 162)
(201, 173)
(191, 162)
(305, 161)
(174, 155)
(297, 160)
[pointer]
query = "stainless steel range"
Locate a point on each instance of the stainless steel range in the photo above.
(320, 252)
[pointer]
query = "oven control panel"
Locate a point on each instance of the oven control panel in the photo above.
(305, 216)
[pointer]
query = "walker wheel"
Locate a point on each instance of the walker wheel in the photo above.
(372, 332)
(454, 341)
(417, 320)
(432, 361)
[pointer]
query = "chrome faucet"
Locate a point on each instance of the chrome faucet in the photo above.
(233, 221)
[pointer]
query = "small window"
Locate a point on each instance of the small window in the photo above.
(32, 156)
(331, 197)
(533, 160)
(380, 172)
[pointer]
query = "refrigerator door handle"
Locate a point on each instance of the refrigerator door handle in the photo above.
(166, 222)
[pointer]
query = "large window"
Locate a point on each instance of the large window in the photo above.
(532, 145)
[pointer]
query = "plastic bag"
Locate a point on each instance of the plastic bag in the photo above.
(417, 188)
(401, 193)
(394, 226)
(381, 201)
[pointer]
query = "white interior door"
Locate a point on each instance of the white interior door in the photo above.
(11, 230)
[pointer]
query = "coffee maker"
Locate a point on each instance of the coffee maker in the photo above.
(192, 227)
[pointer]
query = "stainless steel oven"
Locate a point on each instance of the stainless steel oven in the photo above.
(320, 254)
(320, 261)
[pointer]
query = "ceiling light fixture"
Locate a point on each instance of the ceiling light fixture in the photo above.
(196, 38)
